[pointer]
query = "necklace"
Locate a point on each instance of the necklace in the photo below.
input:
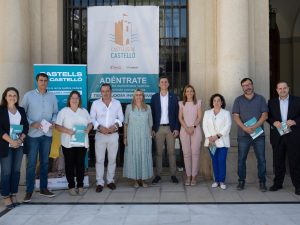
(12, 110)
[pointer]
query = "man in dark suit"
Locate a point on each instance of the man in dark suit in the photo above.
(165, 109)
(284, 115)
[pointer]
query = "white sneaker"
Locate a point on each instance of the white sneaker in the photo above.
(223, 186)
(214, 185)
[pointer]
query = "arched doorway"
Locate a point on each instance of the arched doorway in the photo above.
(274, 37)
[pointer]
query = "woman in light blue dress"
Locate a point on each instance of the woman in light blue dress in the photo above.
(137, 139)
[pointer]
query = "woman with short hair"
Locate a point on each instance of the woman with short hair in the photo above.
(74, 122)
(216, 127)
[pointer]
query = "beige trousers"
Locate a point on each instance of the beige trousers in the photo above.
(164, 134)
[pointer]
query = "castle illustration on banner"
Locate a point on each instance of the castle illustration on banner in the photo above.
(123, 32)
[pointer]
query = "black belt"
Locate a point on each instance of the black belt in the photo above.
(165, 125)
(109, 132)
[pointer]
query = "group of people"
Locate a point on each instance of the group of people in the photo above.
(163, 120)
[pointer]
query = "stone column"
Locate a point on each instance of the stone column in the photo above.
(232, 62)
(15, 67)
(202, 60)
(233, 46)
(242, 51)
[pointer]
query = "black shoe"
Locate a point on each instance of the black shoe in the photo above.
(297, 191)
(16, 204)
(27, 197)
(10, 206)
(174, 179)
(275, 187)
(111, 186)
(99, 188)
(241, 185)
(262, 187)
(47, 193)
(156, 180)
(14, 200)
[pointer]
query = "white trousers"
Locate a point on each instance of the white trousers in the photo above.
(111, 143)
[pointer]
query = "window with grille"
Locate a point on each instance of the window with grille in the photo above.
(173, 45)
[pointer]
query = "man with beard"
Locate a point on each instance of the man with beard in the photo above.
(284, 115)
(246, 107)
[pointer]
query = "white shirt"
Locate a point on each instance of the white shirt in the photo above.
(106, 116)
(217, 124)
(14, 119)
(164, 104)
(284, 106)
(68, 119)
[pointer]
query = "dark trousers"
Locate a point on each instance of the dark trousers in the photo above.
(74, 165)
(10, 171)
(288, 145)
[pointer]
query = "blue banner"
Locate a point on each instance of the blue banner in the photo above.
(63, 79)
(123, 85)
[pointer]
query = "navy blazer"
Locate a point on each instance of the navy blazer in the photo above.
(275, 115)
(172, 111)
(5, 128)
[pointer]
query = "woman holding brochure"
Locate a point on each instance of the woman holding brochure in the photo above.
(216, 127)
(13, 130)
(74, 123)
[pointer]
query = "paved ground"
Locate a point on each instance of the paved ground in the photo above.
(165, 203)
(195, 214)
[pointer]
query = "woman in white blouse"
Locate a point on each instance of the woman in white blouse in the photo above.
(216, 127)
(74, 123)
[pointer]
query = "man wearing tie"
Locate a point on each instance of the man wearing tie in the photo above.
(165, 109)
(284, 115)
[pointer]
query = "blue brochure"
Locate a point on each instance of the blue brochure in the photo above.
(258, 131)
(284, 129)
(15, 131)
(78, 138)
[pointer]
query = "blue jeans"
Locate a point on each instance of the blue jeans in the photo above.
(39, 145)
(258, 144)
(10, 171)
(219, 164)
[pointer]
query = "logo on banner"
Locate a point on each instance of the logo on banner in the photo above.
(123, 38)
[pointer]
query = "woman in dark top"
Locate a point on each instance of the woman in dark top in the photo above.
(13, 130)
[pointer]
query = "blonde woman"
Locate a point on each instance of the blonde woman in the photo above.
(137, 139)
(190, 133)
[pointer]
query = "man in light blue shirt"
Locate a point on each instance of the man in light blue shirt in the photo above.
(41, 107)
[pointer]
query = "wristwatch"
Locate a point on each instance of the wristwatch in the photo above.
(117, 128)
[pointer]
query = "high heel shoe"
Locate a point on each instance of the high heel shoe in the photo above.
(144, 184)
(14, 200)
(8, 203)
(193, 183)
(188, 181)
(136, 184)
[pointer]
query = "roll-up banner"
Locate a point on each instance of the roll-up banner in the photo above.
(63, 79)
(123, 50)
